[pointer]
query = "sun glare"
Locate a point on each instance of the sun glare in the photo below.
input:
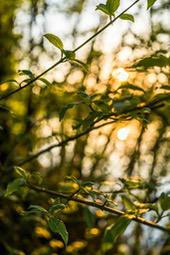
(123, 133)
(120, 74)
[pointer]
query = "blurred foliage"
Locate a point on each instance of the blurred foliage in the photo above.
(124, 165)
(8, 38)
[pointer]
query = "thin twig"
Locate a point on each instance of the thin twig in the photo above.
(64, 142)
(88, 130)
(64, 58)
(100, 206)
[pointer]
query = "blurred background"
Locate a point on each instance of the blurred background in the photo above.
(29, 120)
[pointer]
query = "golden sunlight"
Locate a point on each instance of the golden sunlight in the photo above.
(120, 74)
(123, 133)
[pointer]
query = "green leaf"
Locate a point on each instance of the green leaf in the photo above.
(109, 8)
(127, 16)
(89, 217)
(14, 186)
(64, 109)
(20, 171)
(45, 81)
(133, 183)
(37, 209)
(56, 208)
(102, 106)
(58, 226)
(128, 203)
(89, 120)
(69, 54)
(150, 3)
(87, 183)
(154, 60)
(123, 106)
(131, 86)
(73, 179)
(112, 6)
(159, 98)
(164, 201)
(166, 87)
(103, 8)
(8, 81)
(26, 72)
(85, 97)
(55, 40)
(113, 231)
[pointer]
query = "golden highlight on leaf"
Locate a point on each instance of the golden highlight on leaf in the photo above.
(55, 40)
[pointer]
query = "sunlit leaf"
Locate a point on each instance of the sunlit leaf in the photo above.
(127, 16)
(131, 86)
(165, 201)
(133, 183)
(20, 171)
(58, 226)
(45, 81)
(127, 203)
(113, 231)
(73, 179)
(64, 109)
(154, 60)
(103, 8)
(112, 6)
(109, 8)
(55, 40)
(26, 72)
(8, 81)
(150, 3)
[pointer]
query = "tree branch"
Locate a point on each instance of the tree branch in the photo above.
(151, 105)
(100, 206)
(64, 142)
(64, 58)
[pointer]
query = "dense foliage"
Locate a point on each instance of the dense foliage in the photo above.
(84, 155)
